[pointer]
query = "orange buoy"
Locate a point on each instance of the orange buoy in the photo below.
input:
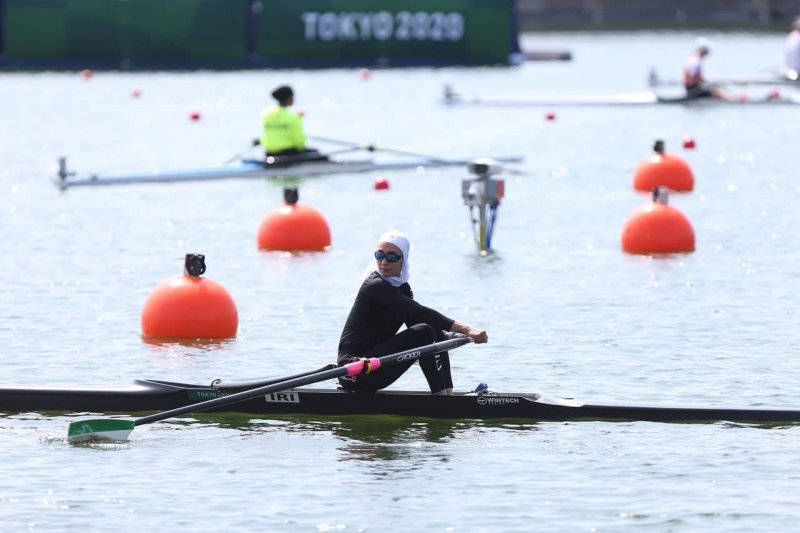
(550, 115)
(294, 227)
(660, 169)
(381, 183)
(136, 93)
(364, 74)
(658, 228)
(194, 116)
(189, 306)
(87, 74)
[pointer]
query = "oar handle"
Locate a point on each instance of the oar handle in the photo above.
(362, 366)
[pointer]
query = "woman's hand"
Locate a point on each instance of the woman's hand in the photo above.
(478, 336)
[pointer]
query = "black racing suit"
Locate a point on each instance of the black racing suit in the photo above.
(701, 90)
(371, 331)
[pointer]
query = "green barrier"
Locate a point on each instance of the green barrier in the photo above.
(126, 32)
(257, 33)
(412, 31)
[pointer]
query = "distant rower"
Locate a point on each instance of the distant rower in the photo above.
(282, 129)
(693, 80)
(793, 49)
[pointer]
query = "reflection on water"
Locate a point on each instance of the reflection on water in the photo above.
(181, 353)
(367, 438)
(368, 429)
(389, 438)
(284, 181)
(175, 345)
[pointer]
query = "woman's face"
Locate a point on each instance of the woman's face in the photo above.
(385, 268)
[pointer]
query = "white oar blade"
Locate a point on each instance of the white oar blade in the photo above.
(100, 429)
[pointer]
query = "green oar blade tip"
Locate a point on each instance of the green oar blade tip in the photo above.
(100, 429)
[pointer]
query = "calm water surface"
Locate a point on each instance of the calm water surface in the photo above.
(567, 312)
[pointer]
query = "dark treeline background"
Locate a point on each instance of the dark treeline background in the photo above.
(757, 15)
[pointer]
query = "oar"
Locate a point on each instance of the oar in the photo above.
(238, 155)
(253, 383)
(115, 429)
(290, 159)
(373, 148)
(294, 158)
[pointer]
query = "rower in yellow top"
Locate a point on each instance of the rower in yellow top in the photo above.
(282, 130)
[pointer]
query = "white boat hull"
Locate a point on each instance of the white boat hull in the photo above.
(634, 98)
(257, 169)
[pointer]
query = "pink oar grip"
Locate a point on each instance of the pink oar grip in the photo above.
(357, 367)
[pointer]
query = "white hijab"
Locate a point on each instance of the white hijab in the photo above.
(401, 241)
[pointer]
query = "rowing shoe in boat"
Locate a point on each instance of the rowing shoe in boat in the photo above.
(251, 168)
(152, 395)
(634, 98)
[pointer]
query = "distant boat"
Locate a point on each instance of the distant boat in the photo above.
(452, 97)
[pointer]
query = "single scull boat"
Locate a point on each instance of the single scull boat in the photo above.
(634, 98)
(787, 78)
(251, 168)
(152, 395)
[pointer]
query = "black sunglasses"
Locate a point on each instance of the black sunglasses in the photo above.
(389, 256)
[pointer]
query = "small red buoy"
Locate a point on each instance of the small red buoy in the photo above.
(87, 74)
(294, 227)
(663, 170)
(688, 143)
(136, 93)
(381, 183)
(550, 115)
(190, 307)
(774, 94)
(365, 74)
(658, 228)
(194, 116)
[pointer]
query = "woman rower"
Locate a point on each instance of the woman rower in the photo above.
(693, 80)
(282, 132)
(384, 303)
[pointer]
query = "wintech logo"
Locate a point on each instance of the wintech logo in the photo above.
(282, 397)
(496, 400)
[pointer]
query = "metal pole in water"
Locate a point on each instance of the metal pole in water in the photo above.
(482, 193)
(62, 168)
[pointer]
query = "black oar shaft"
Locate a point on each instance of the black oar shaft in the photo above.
(253, 383)
(335, 141)
(244, 395)
(349, 369)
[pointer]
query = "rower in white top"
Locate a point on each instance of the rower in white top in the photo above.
(793, 50)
